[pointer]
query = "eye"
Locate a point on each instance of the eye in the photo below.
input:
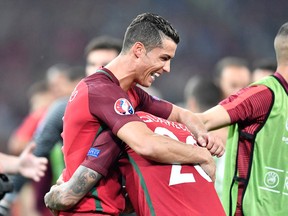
(165, 58)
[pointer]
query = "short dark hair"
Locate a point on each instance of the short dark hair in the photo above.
(265, 64)
(149, 29)
(226, 62)
(204, 90)
(71, 72)
(103, 42)
(57, 68)
(75, 73)
(40, 86)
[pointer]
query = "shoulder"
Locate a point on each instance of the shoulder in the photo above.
(250, 103)
(261, 92)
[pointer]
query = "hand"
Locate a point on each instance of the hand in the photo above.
(209, 168)
(214, 144)
(31, 166)
(49, 199)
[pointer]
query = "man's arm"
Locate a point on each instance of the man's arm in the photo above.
(196, 125)
(49, 131)
(161, 148)
(215, 118)
(26, 164)
(66, 195)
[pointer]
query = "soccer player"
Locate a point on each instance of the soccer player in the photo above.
(154, 188)
(256, 169)
(109, 97)
(103, 99)
(170, 189)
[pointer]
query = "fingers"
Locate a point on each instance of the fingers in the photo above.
(42, 163)
(217, 150)
(36, 178)
(215, 146)
(202, 140)
(39, 166)
(38, 174)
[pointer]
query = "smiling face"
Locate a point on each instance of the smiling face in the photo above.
(155, 62)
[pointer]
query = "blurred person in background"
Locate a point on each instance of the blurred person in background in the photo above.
(59, 79)
(230, 74)
(256, 168)
(262, 68)
(100, 51)
(201, 94)
(62, 80)
(40, 97)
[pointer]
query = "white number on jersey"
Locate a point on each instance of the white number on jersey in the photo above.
(176, 177)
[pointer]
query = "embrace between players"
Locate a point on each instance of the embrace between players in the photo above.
(150, 162)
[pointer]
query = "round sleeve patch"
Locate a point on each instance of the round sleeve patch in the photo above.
(123, 107)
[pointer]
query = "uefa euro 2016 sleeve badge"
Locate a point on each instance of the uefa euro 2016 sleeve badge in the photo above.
(123, 107)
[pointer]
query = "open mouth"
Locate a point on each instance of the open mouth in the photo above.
(155, 75)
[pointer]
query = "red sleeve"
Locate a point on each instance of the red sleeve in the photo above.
(249, 103)
(103, 153)
(110, 104)
(152, 104)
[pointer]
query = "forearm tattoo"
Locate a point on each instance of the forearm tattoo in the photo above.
(84, 182)
(65, 196)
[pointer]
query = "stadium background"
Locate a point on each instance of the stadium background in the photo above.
(35, 34)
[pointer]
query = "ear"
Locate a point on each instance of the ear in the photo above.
(138, 49)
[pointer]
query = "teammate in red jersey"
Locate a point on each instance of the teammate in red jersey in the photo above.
(256, 166)
(154, 188)
(165, 189)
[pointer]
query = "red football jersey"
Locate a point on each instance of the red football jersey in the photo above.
(161, 189)
(96, 103)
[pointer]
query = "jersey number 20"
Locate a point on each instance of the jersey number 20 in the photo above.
(176, 177)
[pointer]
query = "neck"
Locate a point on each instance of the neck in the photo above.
(283, 70)
(123, 70)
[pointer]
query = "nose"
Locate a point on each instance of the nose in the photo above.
(166, 67)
